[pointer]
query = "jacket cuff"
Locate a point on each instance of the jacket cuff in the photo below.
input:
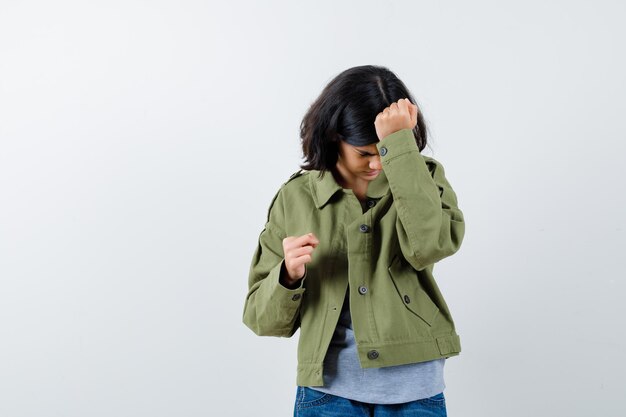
(396, 144)
(299, 281)
(282, 294)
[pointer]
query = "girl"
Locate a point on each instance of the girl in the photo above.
(347, 256)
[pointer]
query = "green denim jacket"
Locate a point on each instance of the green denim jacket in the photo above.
(383, 257)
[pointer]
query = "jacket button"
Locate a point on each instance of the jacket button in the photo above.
(372, 354)
(296, 297)
(371, 203)
(382, 151)
(363, 289)
(407, 299)
(364, 228)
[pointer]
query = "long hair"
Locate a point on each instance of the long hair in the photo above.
(346, 110)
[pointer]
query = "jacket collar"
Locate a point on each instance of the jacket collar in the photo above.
(324, 188)
(378, 187)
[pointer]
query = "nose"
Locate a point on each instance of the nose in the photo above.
(375, 163)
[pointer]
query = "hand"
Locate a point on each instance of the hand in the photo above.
(398, 116)
(298, 251)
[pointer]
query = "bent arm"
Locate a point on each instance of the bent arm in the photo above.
(270, 308)
(430, 226)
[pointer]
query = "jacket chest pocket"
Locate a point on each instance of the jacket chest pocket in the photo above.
(411, 293)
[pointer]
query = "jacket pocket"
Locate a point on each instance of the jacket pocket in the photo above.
(411, 293)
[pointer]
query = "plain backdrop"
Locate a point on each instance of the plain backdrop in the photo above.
(141, 143)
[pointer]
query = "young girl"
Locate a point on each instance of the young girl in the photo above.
(347, 256)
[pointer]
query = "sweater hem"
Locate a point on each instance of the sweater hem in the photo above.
(388, 354)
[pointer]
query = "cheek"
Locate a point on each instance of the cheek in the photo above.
(360, 163)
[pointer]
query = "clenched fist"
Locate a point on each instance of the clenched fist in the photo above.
(399, 115)
(298, 252)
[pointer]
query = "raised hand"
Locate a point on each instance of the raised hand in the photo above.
(399, 115)
(298, 252)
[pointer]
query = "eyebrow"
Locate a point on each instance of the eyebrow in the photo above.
(364, 152)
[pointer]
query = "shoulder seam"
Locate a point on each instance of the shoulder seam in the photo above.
(294, 175)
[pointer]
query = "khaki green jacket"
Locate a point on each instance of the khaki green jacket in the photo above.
(383, 257)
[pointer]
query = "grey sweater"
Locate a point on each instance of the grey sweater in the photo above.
(344, 376)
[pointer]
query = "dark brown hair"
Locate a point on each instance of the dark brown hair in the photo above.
(346, 110)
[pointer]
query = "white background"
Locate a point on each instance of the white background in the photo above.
(142, 142)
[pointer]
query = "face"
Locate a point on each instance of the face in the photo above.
(358, 162)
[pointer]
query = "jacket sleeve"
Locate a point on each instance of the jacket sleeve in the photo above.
(270, 308)
(430, 226)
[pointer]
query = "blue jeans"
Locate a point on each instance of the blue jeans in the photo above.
(312, 403)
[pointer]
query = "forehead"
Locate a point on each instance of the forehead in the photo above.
(371, 148)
